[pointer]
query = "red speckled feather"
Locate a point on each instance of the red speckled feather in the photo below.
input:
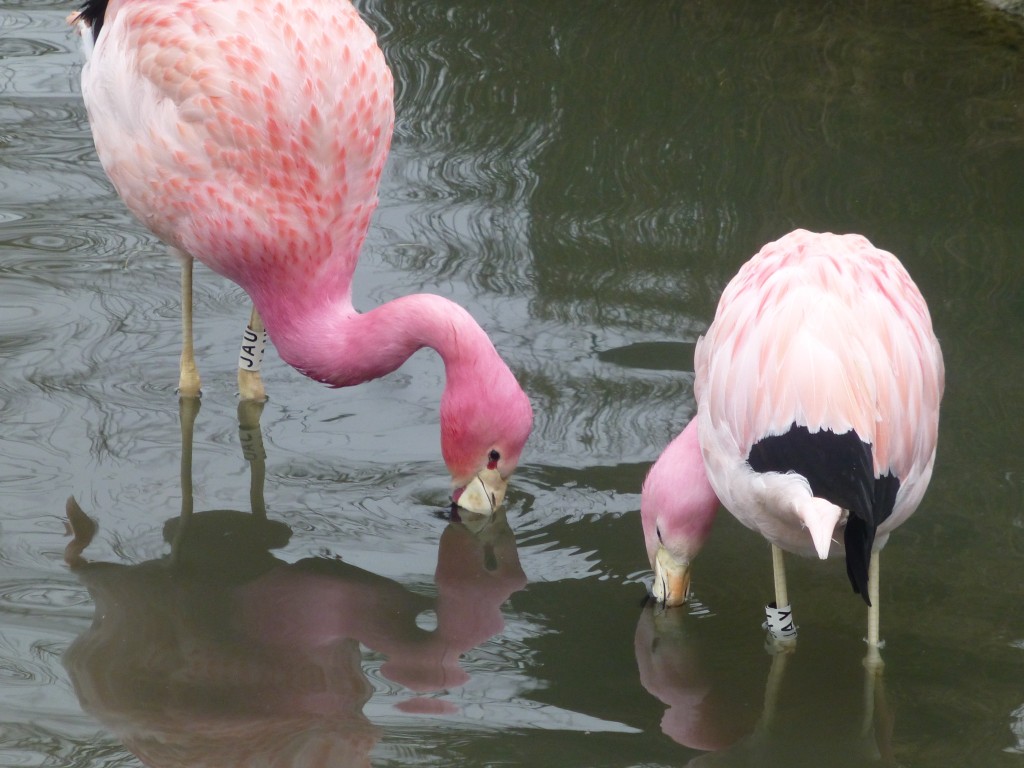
(251, 135)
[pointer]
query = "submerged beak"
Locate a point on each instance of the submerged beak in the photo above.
(483, 494)
(671, 579)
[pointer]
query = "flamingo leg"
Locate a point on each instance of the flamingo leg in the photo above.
(778, 615)
(873, 642)
(878, 718)
(874, 692)
(251, 438)
(771, 693)
(188, 409)
(250, 382)
(188, 379)
(779, 570)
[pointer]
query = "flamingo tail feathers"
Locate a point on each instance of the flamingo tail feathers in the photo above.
(859, 538)
(91, 12)
(839, 469)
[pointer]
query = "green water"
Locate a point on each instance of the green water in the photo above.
(584, 177)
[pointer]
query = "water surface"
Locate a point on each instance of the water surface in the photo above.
(585, 178)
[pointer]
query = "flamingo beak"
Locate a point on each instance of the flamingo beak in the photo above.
(483, 494)
(671, 579)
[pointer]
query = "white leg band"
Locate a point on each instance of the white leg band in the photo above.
(254, 344)
(779, 621)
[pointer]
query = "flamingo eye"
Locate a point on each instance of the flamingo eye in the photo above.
(492, 459)
(657, 530)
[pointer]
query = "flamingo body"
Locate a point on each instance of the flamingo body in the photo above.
(818, 387)
(252, 136)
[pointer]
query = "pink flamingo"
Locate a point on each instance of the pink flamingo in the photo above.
(252, 136)
(818, 387)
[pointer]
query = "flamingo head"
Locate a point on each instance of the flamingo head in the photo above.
(677, 508)
(483, 431)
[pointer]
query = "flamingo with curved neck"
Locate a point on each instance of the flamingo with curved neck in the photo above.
(252, 136)
(818, 387)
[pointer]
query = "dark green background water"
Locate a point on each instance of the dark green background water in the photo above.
(584, 177)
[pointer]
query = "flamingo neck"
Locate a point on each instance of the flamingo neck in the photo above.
(335, 344)
(677, 498)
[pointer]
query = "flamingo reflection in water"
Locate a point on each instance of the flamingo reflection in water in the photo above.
(222, 654)
(714, 704)
(706, 704)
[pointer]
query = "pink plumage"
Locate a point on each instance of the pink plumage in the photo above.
(829, 333)
(677, 509)
(818, 387)
(252, 135)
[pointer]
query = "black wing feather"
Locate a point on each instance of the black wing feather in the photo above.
(93, 11)
(840, 469)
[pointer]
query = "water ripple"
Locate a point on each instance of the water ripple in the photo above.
(83, 243)
(41, 598)
(29, 311)
(19, 665)
(464, 166)
(42, 132)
